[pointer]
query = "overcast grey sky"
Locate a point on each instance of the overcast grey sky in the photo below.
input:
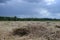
(30, 8)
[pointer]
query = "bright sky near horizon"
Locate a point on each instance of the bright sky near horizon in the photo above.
(30, 8)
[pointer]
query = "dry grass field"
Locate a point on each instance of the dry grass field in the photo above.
(29, 30)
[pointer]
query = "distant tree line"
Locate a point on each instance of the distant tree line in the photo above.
(2, 18)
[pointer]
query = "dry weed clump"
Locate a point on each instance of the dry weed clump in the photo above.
(57, 26)
(20, 31)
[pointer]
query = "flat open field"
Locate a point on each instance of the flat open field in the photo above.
(29, 30)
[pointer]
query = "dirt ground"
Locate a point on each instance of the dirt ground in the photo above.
(29, 30)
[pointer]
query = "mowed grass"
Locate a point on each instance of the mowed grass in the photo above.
(29, 30)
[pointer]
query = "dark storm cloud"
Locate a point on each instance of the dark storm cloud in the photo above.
(3, 1)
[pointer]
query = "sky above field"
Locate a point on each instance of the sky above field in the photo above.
(30, 8)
